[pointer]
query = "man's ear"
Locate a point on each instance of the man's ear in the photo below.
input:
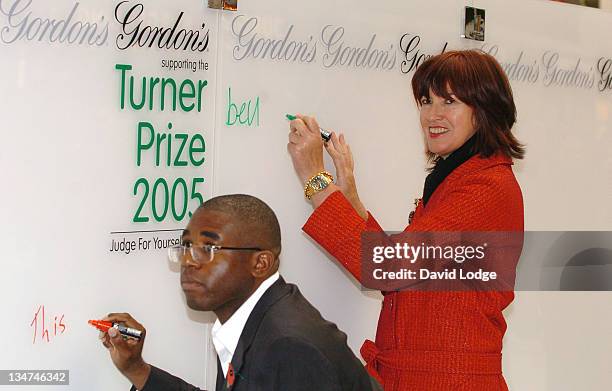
(264, 264)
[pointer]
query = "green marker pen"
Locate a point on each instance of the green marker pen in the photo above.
(325, 135)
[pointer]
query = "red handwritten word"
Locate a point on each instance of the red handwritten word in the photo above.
(39, 323)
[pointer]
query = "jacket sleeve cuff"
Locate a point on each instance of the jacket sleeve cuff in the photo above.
(337, 227)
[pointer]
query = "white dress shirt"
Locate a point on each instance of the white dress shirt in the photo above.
(225, 336)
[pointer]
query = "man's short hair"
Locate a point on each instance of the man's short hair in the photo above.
(257, 220)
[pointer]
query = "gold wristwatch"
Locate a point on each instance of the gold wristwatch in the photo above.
(317, 183)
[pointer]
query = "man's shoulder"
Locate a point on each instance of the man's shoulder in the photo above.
(291, 315)
(293, 332)
(292, 318)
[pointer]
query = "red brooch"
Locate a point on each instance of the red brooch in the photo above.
(230, 376)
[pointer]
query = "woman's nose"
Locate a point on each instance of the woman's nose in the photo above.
(436, 111)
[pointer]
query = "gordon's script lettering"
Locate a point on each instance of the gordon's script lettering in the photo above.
(21, 23)
(136, 32)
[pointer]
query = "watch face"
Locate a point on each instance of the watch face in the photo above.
(319, 182)
(316, 184)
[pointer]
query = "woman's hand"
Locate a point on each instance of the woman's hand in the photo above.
(342, 157)
(305, 147)
(306, 150)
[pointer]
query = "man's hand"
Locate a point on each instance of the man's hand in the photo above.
(126, 353)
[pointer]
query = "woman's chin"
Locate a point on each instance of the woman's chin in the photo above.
(439, 150)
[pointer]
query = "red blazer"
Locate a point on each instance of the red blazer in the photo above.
(435, 340)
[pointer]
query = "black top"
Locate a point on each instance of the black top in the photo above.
(444, 167)
(286, 345)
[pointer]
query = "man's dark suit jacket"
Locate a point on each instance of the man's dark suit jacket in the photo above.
(285, 345)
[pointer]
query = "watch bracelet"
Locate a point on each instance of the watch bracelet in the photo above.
(308, 183)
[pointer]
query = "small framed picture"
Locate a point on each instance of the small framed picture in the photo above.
(474, 23)
(231, 5)
(216, 4)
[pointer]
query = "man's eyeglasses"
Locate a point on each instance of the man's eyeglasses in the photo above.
(200, 254)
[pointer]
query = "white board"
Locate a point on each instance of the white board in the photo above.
(70, 166)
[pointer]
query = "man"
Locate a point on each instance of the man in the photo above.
(267, 336)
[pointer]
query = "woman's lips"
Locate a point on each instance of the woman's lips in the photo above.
(435, 132)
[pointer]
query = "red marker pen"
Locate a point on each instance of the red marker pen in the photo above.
(104, 325)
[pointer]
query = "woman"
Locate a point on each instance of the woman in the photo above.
(431, 340)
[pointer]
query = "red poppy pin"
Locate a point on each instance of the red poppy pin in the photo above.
(230, 376)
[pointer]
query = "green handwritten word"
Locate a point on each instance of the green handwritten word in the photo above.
(160, 198)
(155, 92)
(243, 115)
(176, 149)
